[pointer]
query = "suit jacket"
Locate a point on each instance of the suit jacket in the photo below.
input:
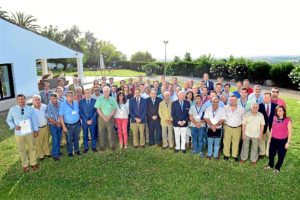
(152, 109)
(44, 97)
(137, 113)
(210, 86)
(268, 120)
(178, 114)
(88, 112)
(72, 87)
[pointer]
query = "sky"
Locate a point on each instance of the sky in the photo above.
(219, 27)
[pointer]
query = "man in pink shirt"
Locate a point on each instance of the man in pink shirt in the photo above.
(275, 99)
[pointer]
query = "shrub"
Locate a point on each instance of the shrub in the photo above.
(150, 68)
(238, 68)
(219, 68)
(295, 76)
(279, 74)
(259, 71)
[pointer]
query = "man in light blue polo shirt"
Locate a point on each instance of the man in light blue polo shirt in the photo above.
(70, 121)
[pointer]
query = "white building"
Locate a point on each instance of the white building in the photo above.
(20, 48)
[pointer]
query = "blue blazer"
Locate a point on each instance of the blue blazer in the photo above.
(152, 109)
(210, 86)
(88, 112)
(268, 120)
(179, 115)
(135, 112)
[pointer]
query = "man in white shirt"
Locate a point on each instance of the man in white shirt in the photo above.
(214, 117)
(232, 128)
(42, 139)
(256, 97)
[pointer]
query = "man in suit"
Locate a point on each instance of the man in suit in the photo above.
(45, 94)
(137, 110)
(88, 115)
(153, 119)
(209, 84)
(268, 110)
(180, 115)
(75, 84)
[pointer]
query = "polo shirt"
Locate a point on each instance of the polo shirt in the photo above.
(69, 112)
(215, 116)
(107, 106)
(253, 123)
(197, 113)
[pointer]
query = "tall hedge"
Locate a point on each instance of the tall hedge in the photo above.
(279, 74)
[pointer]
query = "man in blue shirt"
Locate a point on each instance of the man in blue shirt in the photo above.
(70, 121)
(23, 120)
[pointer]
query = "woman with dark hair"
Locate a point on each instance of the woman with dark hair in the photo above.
(189, 96)
(127, 92)
(281, 135)
(121, 117)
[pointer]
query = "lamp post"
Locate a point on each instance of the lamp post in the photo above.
(165, 42)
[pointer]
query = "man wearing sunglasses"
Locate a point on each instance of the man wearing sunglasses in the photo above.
(23, 120)
(275, 97)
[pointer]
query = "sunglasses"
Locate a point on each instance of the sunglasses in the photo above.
(275, 91)
(22, 111)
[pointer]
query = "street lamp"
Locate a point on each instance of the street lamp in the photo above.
(165, 42)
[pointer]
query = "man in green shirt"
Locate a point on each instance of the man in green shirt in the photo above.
(106, 108)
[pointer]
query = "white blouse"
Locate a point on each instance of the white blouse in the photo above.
(122, 111)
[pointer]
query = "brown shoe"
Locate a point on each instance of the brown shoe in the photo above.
(253, 164)
(26, 169)
(242, 161)
(35, 167)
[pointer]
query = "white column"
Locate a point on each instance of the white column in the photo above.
(44, 66)
(80, 70)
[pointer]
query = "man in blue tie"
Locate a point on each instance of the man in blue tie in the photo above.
(180, 115)
(88, 115)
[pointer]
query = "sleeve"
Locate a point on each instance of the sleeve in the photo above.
(191, 111)
(48, 113)
(10, 120)
(262, 120)
(131, 110)
(61, 110)
(115, 104)
(127, 106)
(34, 120)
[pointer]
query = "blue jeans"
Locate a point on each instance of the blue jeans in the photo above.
(198, 138)
(213, 145)
(86, 128)
(56, 137)
(73, 136)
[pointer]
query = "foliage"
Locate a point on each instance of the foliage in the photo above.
(3, 14)
(279, 74)
(219, 68)
(259, 71)
(27, 21)
(142, 57)
(149, 68)
(238, 68)
(187, 57)
(295, 76)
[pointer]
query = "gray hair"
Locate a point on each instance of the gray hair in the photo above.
(37, 96)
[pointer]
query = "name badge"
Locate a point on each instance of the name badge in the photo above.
(73, 112)
(213, 121)
(197, 118)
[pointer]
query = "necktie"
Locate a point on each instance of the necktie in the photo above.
(181, 105)
(153, 101)
(138, 104)
(268, 110)
(88, 102)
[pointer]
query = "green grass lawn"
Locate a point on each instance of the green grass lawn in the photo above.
(116, 72)
(150, 173)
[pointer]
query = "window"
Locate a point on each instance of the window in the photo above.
(6, 82)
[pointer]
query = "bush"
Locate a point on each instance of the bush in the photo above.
(259, 71)
(181, 68)
(238, 68)
(220, 68)
(150, 68)
(295, 76)
(279, 74)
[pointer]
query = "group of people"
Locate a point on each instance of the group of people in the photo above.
(206, 117)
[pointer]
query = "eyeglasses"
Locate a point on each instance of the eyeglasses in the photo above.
(275, 91)
(22, 111)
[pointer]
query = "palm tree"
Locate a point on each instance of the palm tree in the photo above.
(3, 13)
(27, 21)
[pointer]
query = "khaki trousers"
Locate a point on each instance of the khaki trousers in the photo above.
(63, 140)
(42, 142)
(138, 130)
(106, 127)
(232, 136)
(264, 144)
(22, 141)
(167, 136)
(254, 149)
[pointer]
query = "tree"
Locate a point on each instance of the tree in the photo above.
(3, 13)
(27, 21)
(72, 37)
(109, 52)
(142, 57)
(187, 57)
(53, 33)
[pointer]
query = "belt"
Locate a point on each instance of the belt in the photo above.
(43, 126)
(234, 127)
(74, 123)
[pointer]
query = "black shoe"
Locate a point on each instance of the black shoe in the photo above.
(176, 151)
(41, 159)
(143, 146)
(78, 153)
(226, 157)
(56, 158)
(60, 154)
(261, 157)
(151, 144)
(184, 151)
(236, 159)
(95, 150)
(70, 155)
(48, 156)
(101, 148)
(136, 147)
(85, 150)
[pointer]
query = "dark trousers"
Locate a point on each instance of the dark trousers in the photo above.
(277, 146)
(92, 129)
(73, 137)
(154, 132)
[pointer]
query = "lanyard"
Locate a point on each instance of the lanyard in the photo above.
(198, 111)
(72, 107)
(214, 113)
(204, 100)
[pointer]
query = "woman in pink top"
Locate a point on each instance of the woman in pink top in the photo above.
(281, 135)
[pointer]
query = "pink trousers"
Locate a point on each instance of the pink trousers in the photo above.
(122, 130)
